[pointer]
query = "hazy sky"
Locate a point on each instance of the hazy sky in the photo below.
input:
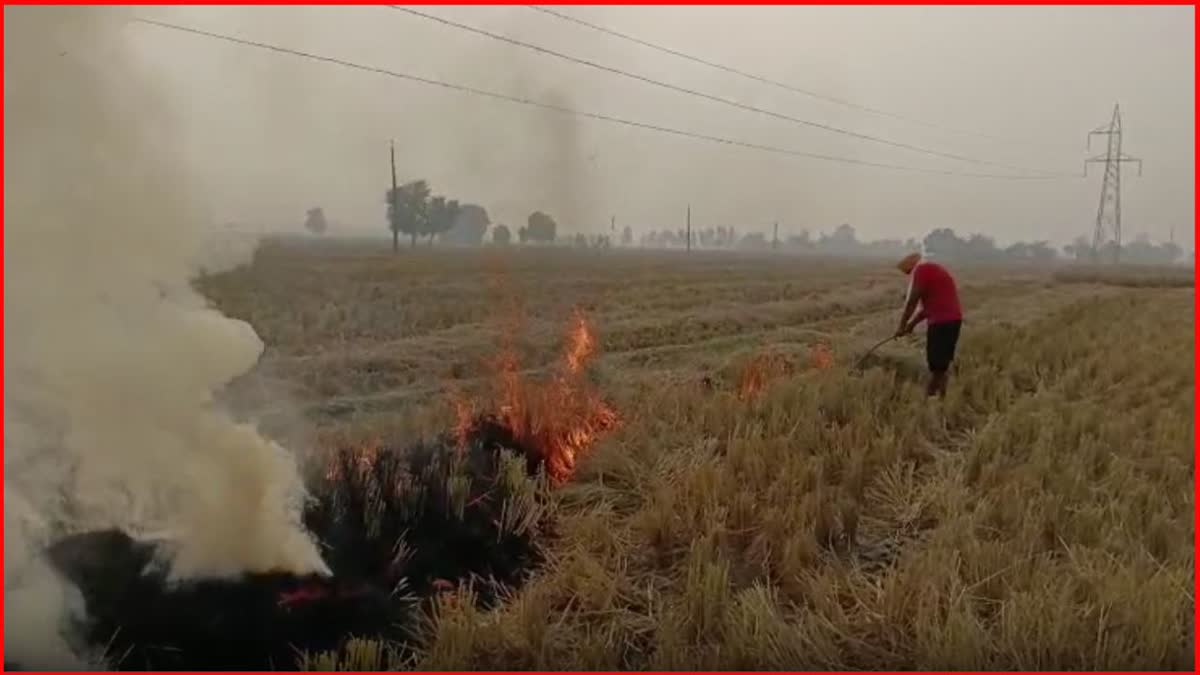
(270, 135)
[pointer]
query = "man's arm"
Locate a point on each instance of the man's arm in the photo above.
(915, 320)
(910, 306)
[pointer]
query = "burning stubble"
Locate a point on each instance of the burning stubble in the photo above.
(113, 358)
(400, 525)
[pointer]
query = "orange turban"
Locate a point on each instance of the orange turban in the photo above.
(909, 262)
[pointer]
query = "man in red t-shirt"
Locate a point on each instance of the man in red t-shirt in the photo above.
(934, 288)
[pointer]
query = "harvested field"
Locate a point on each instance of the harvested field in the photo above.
(1039, 518)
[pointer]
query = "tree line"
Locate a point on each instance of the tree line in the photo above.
(415, 212)
(943, 243)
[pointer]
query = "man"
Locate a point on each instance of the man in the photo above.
(934, 288)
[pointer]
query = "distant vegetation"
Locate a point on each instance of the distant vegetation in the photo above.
(414, 211)
(942, 243)
(541, 228)
(1141, 251)
(315, 222)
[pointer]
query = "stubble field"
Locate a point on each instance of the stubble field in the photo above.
(763, 503)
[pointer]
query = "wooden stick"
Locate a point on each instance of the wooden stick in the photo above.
(872, 350)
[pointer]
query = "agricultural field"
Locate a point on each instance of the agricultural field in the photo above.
(760, 498)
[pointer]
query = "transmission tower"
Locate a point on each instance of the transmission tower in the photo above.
(1108, 215)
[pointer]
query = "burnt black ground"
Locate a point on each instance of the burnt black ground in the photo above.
(407, 496)
(211, 624)
(359, 516)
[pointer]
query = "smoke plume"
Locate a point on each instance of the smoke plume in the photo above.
(112, 358)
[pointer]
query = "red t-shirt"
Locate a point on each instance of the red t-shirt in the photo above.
(938, 293)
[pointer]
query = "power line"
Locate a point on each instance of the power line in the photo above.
(757, 78)
(566, 110)
(709, 97)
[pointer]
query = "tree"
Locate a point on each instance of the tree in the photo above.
(724, 236)
(1042, 251)
(842, 241)
(802, 240)
(844, 235)
(501, 236)
(1142, 251)
(1080, 249)
(469, 227)
(980, 247)
(1038, 251)
(627, 236)
(442, 215)
(315, 222)
(540, 227)
(408, 211)
(943, 243)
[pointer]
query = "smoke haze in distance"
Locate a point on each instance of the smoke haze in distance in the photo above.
(112, 358)
(1043, 76)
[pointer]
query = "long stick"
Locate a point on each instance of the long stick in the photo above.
(872, 350)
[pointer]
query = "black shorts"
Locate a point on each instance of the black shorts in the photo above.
(940, 341)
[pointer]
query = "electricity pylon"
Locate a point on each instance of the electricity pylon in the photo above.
(1108, 215)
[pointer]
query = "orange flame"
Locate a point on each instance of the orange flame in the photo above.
(363, 457)
(464, 418)
(301, 595)
(560, 418)
(581, 344)
(821, 356)
(759, 372)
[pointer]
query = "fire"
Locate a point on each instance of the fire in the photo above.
(821, 356)
(364, 457)
(560, 418)
(312, 592)
(557, 418)
(581, 344)
(766, 366)
(302, 595)
(759, 372)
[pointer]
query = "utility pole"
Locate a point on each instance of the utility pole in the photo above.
(1108, 214)
(775, 237)
(395, 213)
(689, 228)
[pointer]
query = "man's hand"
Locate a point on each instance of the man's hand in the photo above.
(904, 329)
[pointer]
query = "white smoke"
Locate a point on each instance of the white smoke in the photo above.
(112, 358)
